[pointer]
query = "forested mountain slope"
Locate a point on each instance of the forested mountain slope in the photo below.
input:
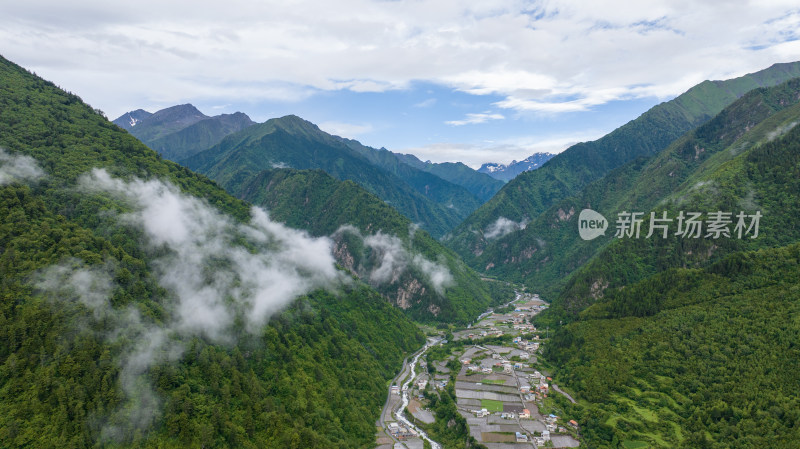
(690, 358)
(143, 306)
(531, 193)
(296, 143)
(181, 131)
(549, 249)
(758, 173)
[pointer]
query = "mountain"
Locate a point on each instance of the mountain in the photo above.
(129, 120)
(199, 136)
(547, 251)
(181, 131)
(435, 188)
(163, 122)
(689, 358)
(752, 169)
(290, 141)
(482, 186)
(143, 306)
(508, 172)
(674, 340)
(531, 193)
(367, 233)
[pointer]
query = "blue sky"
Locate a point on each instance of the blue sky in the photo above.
(450, 80)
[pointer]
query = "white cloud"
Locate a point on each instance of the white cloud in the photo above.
(218, 273)
(503, 226)
(575, 54)
(18, 168)
(426, 103)
(392, 258)
(473, 119)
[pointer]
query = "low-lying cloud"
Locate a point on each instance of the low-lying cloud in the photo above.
(218, 272)
(503, 226)
(393, 258)
(18, 168)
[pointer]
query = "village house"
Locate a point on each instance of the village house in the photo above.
(521, 437)
(395, 389)
(481, 413)
(526, 414)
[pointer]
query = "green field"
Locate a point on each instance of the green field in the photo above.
(492, 405)
(493, 382)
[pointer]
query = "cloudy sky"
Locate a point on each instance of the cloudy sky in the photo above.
(473, 81)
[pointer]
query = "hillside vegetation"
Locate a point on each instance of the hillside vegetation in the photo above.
(371, 237)
(531, 193)
(104, 348)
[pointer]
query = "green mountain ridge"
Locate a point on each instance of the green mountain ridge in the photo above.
(531, 193)
(72, 370)
(199, 136)
(752, 171)
(293, 142)
(548, 250)
(479, 184)
(683, 342)
(179, 132)
(329, 204)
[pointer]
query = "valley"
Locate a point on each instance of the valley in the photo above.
(493, 372)
(176, 278)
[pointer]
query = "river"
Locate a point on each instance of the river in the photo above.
(399, 413)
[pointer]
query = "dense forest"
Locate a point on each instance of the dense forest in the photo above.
(548, 251)
(568, 173)
(98, 351)
(356, 218)
(691, 358)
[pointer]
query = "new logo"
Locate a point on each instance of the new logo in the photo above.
(591, 224)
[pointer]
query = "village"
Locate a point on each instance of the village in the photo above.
(500, 388)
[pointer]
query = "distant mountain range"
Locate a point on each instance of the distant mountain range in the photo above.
(146, 305)
(181, 131)
(217, 337)
(508, 172)
(436, 196)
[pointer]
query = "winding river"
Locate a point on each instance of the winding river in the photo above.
(399, 413)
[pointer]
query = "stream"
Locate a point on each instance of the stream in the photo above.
(399, 413)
